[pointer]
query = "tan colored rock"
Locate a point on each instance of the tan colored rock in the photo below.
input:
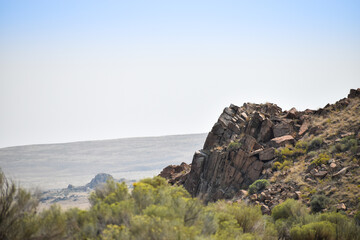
(242, 193)
(321, 174)
(304, 127)
(253, 197)
(333, 165)
(341, 172)
(341, 207)
(244, 116)
(282, 141)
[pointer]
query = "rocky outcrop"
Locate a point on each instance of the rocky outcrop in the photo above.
(100, 178)
(176, 174)
(237, 149)
(241, 148)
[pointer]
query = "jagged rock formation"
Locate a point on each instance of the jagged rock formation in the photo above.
(239, 147)
(244, 143)
(176, 173)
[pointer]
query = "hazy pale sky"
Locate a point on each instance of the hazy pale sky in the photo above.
(84, 70)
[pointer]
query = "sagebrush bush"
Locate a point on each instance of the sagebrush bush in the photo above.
(319, 202)
(258, 185)
(315, 143)
(288, 209)
(313, 231)
(302, 145)
(156, 210)
(323, 158)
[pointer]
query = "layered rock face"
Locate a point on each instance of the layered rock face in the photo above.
(241, 147)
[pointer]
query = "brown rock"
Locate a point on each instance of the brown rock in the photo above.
(333, 165)
(225, 119)
(266, 131)
(263, 196)
(282, 141)
(354, 93)
(253, 197)
(247, 143)
(211, 141)
(320, 174)
(267, 154)
(292, 113)
(242, 193)
(297, 195)
(341, 172)
(304, 127)
(244, 116)
(282, 129)
(176, 174)
(234, 127)
(254, 125)
(218, 129)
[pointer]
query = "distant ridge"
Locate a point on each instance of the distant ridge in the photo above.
(50, 166)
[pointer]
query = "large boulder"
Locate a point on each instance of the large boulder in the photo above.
(282, 141)
(176, 174)
(354, 93)
(266, 131)
(267, 154)
(282, 129)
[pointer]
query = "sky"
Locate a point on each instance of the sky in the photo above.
(90, 70)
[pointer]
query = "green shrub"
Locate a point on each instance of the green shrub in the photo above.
(234, 145)
(312, 154)
(302, 145)
(156, 210)
(319, 202)
(314, 231)
(315, 143)
(17, 211)
(323, 158)
(285, 165)
(357, 218)
(110, 193)
(288, 209)
(346, 143)
(258, 185)
(289, 153)
(346, 228)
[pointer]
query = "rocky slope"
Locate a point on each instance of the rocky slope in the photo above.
(303, 155)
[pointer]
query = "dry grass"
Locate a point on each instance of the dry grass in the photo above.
(339, 121)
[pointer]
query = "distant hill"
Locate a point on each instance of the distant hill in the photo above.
(51, 166)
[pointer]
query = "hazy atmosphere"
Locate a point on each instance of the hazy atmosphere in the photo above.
(85, 70)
